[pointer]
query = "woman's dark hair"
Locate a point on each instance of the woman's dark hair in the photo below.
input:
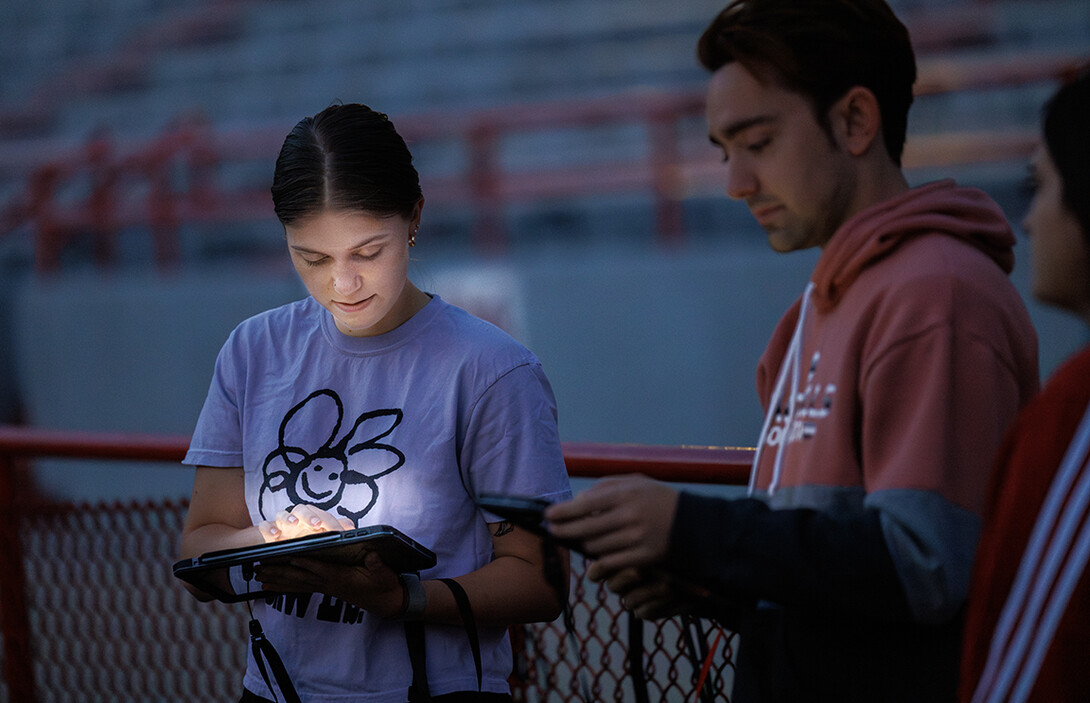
(347, 157)
(1067, 138)
(821, 49)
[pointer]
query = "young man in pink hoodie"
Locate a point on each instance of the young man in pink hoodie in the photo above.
(887, 385)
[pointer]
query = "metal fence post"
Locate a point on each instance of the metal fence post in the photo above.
(14, 622)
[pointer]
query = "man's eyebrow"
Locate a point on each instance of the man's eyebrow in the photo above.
(732, 129)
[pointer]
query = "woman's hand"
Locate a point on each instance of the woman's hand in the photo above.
(372, 585)
(300, 521)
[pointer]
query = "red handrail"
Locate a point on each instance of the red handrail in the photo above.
(684, 464)
(33, 441)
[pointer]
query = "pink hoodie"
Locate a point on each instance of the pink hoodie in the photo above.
(915, 353)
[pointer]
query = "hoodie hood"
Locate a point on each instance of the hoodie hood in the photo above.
(942, 207)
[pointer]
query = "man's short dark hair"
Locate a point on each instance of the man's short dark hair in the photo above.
(821, 49)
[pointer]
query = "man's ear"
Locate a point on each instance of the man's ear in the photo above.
(857, 120)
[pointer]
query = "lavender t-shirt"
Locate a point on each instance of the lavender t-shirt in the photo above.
(401, 429)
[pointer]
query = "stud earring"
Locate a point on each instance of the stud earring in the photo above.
(412, 237)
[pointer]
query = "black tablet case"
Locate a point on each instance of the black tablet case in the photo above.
(397, 551)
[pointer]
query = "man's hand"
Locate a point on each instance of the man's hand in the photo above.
(622, 522)
(651, 595)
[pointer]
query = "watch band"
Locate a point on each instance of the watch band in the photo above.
(415, 598)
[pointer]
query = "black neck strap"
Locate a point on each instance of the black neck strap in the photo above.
(468, 622)
(263, 650)
(635, 657)
(414, 636)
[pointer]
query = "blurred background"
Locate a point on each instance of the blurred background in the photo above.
(572, 196)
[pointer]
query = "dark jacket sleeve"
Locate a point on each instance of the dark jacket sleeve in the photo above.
(745, 552)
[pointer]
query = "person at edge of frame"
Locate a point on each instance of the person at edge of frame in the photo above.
(1027, 628)
(887, 385)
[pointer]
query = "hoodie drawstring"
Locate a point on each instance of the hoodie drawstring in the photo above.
(791, 364)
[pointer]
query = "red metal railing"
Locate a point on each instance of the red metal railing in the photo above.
(727, 466)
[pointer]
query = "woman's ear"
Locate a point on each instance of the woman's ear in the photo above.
(857, 120)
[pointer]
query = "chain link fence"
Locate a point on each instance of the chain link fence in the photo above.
(109, 623)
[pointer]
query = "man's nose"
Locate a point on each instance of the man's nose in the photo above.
(741, 181)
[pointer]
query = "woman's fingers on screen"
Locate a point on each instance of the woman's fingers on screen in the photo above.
(302, 520)
(269, 531)
(309, 518)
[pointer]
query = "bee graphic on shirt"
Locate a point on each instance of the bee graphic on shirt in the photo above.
(339, 475)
